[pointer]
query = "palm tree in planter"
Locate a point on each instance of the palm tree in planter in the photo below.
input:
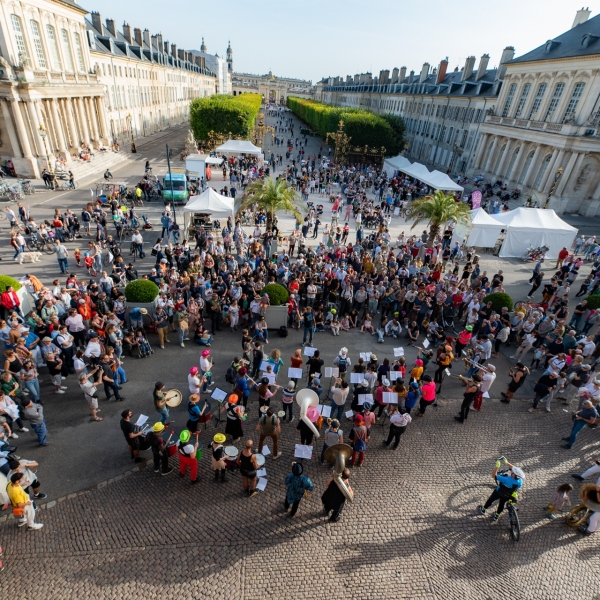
(438, 210)
(272, 196)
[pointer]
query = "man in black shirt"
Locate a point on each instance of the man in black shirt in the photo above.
(314, 364)
(543, 387)
(132, 437)
(108, 379)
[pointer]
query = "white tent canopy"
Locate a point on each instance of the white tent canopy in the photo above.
(435, 179)
(208, 203)
(239, 147)
(485, 229)
(397, 163)
(443, 182)
(535, 227)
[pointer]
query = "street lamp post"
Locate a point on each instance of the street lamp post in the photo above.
(557, 177)
(130, 120)
(44, 134)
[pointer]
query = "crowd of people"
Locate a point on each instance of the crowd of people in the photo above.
(404, 291)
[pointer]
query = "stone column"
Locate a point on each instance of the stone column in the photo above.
(12, 134)
(490, 156)
(69, 109)
(532, 166)
(592, 208)
(549, 175)
(21, 130)
(560, 188)
(482, 144)
(507, 152)
(514, 176)
(35, 125)
(89, 102)
(83, 120)
(58, 126)
(102, 114)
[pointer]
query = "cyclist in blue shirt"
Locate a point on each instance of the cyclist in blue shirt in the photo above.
(509, 482)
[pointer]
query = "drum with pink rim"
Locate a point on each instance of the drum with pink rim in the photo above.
(231, 454)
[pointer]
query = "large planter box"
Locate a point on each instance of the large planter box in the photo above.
(277, 316)
(149, 306)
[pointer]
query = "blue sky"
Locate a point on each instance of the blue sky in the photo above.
(312, 39)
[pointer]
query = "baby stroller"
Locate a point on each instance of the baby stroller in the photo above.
(145, 349)
(448, 317)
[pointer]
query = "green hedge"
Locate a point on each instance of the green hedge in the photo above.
(364, 127)
(499, 300)
(278, 295)
(593, 301)
(224, 115)
(6, 281)
(141, 291)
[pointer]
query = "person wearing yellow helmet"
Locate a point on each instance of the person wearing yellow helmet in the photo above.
(186, 453)
(159, 448)
(218, 456)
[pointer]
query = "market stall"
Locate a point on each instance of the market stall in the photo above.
(202, 210)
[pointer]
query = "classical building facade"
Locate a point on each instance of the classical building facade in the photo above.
(544, 133)
(443, 111)
(271, 88)
(66, 81)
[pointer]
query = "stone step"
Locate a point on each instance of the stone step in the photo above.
(99, 163)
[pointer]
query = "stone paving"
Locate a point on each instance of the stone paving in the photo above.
(412, 531)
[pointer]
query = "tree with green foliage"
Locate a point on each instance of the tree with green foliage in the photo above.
(272, 196)
(224, 115)
(364, 127)
(438, 210)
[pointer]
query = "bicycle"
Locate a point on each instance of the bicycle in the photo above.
(35, 244)
(67, 185)
(513, 521)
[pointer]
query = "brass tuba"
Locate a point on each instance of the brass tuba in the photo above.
(590, 502)
(306, 398)
(337, 455)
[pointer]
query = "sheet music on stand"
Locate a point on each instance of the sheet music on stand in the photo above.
(395, 375)
(356, 377)
(302, 451)
(219, 395)
(398, 351)
(309, 351)
(332, 372)
(366, 356)
(362, 398)
(271, 377)
(390, 398)
(294, 373)
(141, 420)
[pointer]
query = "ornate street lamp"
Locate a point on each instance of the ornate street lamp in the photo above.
(130, 120)
(340, 141)
(44, 134)
(557, 177)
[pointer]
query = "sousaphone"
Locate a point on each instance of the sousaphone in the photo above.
(337, 455)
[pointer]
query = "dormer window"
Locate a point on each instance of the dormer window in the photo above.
(551, 45)
(588, 39)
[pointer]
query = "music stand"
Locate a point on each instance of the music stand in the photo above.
(220, 396)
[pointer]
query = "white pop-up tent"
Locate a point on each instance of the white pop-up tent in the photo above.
(397, 163)
(208, 203)
(441, 181)
(535, 227)
(482, 231)
(239, 147)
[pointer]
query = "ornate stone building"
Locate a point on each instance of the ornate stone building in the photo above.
(65, 81)
(544, 134)
(271, 88)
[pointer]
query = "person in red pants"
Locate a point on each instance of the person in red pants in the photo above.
(359, 437)
(186, 453)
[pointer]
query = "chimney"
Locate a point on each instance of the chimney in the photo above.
(97, 22)
(197, 61)
(507, 54)
(137, 34)
(468, 68)
(441, 74)
(411, 77)
(402, 75)
(356, 79)
(424, 72)
(174, 50)
(110, 25)
(166, 47)
(127, 33)
(386, 76)
(483, 65)
(159, 43)
(181, 54)
(581, 17)
(456, 69)
(395, 75)
(146, 37)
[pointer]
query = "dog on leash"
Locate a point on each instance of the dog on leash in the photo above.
(31, 257)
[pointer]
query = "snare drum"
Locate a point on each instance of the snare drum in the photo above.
(281, 414)
(260, 460)
(205, 418)
(173, 398)
(231, 454)
(171, 449)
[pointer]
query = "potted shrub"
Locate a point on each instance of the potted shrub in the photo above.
(27, 301)
(277, 311)
(593, 301)
(142, 293)
(499, 300)
(6, 281)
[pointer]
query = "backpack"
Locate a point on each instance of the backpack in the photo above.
(342, 365)
(283, 331)
(230, 375)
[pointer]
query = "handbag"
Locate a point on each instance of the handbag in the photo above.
(18, 512)
(153, 252)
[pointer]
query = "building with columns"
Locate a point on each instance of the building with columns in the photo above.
(67, 81)
(543, 136)
(271, 88)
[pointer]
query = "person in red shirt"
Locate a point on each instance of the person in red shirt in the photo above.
(561, 258)
(10, 301)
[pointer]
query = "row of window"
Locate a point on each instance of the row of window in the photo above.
(53, 49)
(120, 71)
(534, 109)
(132, 96)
